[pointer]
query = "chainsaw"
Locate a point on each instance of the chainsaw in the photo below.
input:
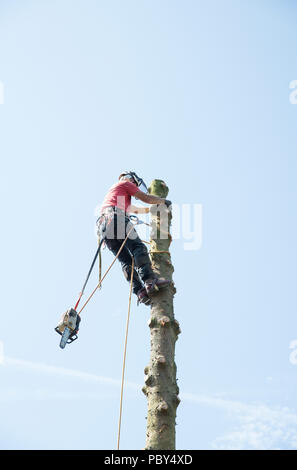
(68, 327)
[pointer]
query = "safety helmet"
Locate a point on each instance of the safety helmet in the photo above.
(136, 179)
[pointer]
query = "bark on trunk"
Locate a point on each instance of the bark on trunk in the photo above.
(160, 375)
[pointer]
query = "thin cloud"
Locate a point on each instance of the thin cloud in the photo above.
(258, 426)
(261, 428)
(65, 372)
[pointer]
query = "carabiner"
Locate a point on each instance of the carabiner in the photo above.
(134, 219)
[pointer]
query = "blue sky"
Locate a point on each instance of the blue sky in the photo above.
(195, 93)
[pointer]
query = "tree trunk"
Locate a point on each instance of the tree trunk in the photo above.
(160, 375)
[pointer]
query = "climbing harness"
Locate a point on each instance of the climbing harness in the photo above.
(69, 323)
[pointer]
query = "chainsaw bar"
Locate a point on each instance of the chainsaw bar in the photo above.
(65, 337)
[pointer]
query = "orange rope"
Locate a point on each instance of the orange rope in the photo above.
(106, 272)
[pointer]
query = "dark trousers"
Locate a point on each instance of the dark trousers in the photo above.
(114, 228)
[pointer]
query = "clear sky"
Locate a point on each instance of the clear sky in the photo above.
(192, 92)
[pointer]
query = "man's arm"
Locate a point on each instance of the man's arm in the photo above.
(148, 198)
(138, 210)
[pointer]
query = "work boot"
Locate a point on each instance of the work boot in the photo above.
(153, 285)
(142, 297)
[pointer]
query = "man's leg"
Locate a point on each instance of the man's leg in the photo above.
(120, 227)
(126, 261)
(143, 263)
(144, 267)
(117, 230)
(141, 258)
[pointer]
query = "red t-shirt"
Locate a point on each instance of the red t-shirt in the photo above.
(119, 195)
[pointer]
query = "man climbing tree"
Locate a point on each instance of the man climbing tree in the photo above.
(115, 225)
(117, 231)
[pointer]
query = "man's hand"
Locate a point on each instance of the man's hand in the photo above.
(168, 203)
(138, 210)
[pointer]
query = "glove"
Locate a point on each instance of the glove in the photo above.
(168, 203)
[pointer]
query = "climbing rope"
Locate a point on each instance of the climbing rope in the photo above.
(125, 351)
(134, 221)
(107, 271)
(101, 279)
(100, 261)
(156, 251)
